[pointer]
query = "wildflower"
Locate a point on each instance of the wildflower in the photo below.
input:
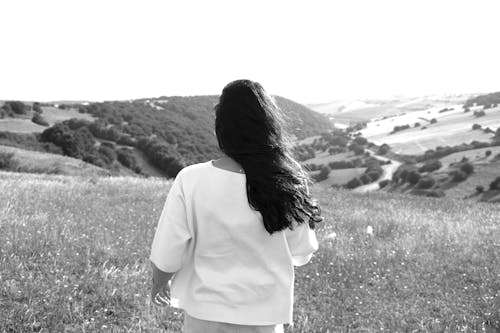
(369, 230)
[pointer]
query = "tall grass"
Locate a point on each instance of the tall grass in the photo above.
(73, 258)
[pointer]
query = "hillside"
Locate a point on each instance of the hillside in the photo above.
(430, 265)
(170, 132)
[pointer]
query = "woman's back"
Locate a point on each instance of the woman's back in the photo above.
(232, 270)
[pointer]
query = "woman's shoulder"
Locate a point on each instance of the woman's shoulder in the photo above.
(195, 169)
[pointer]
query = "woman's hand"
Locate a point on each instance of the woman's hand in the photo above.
(160, 291)
(160, 295)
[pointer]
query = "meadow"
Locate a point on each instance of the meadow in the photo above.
(73, 258)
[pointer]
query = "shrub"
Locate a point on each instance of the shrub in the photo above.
(353, 183)
(357, 149)
(107, 154)
(374, 175)
(426, 182)
(383, 183)
(37, 107)
(466, 109)
(478, 114)
(400, 128)
(487, 153)
(430, 166)
(458, 175)
(38, 119)
(433, 121)
(413, 177)
(467, 167)
(7, 161)
(417, 124)
(360, 141)
(323, 173)
(495, 185)
(476, 126)
(384, 149)
(127, 159)
(479, 189)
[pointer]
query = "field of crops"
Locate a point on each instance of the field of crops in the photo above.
(73, 258)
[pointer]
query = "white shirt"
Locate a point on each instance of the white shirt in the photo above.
(228, 267)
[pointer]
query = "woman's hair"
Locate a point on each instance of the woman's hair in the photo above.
(249, 129)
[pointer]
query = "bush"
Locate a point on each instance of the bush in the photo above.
(323, 174)
(360, 141)
(495, 185)
(365, 179)
(426, 182)
(478, 114)
(466, 109)
(373, 175)
(107, 154)
(479, 189)
(476, 126)
(413, 177)
(433, 121)
(357, 149)
(7, 161)
(38, 119)
(430, 166)
(487, 153)
(37, 108)
(458, 175)
(383, 183)
(467, 167)
(400, 128)
(417, 125)
(127, 159)
(353, 183)
(384, 149)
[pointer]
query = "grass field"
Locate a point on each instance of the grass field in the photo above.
(74, 259)
(324, 157)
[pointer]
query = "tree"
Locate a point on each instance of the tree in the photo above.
(357, 149)
(38, 119)
(37, 108)
(323, 173)
(16, 107)
(433, 121)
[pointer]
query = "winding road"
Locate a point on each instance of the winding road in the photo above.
(389, 170)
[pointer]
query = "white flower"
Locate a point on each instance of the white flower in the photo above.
(369, 230)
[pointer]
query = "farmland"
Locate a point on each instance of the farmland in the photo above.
(74, 258)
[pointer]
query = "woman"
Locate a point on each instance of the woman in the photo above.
(232, 229)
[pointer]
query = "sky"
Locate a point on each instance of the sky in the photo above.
(307, 51)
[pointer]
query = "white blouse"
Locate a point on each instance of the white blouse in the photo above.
(228, 267)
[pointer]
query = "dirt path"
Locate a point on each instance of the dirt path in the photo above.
(389, 170)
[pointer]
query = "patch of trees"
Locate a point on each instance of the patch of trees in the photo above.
(400, 128)
(356, 148)
(127, 159)
(445, 110)
(14, 107)
(476, 127)
(38, 119)
(162, 155)
(323, 174)
(37, 107)
(430, 166)
(383, 149)
(487, 100)
(303, 152)
(346, 164)
(372, 173)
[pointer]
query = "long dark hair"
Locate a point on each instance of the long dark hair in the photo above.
(249, 129)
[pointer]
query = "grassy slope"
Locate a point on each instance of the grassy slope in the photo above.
(39, 162)
(74, 256)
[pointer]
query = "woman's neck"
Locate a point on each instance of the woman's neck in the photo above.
(227, 163)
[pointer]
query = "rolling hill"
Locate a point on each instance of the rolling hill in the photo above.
(162, 134)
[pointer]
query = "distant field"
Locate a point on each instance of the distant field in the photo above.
(324, 157)
(74, 258)
(474, 155)
(452, 128)
(342, 176)
(51, 114)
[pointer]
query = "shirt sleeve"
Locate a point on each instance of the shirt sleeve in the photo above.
(302, 243)
(172, 233)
